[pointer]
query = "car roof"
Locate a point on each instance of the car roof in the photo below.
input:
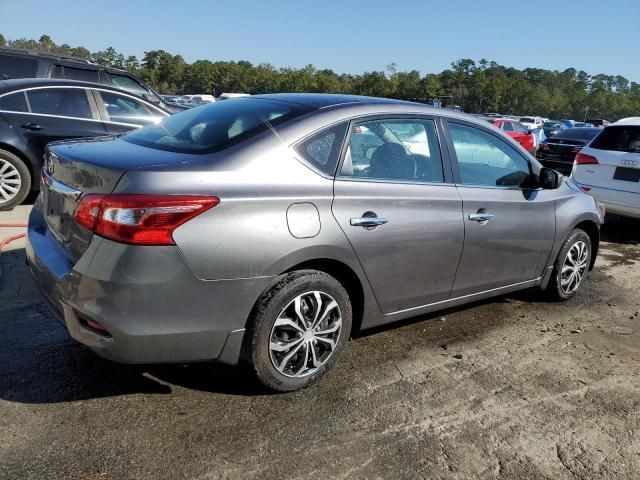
(58, 58)
(628, 121)
(12, 84)
(325, 100)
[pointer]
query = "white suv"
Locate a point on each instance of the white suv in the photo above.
(609, 167)
(531, 122)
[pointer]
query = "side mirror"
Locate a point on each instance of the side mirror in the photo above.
(549, 179)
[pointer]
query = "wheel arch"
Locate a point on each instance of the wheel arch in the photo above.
(33, 169)
(591, 229)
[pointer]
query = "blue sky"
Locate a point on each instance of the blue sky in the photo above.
(349, 35)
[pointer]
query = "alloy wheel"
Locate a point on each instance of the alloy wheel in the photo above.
(574, 267)
(10, 181)
(305, 334)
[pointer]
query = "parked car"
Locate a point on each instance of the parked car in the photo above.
(609, 167)
(598, 122)
(240, 229)
(560, 151)
(16, 63)
(552, 127)
(196, 100)
(567, 122)
(517, 131)
(531, 122)
(583, 124)
(34, 112)
(227, 96)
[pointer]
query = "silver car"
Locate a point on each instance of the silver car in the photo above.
(273, 227)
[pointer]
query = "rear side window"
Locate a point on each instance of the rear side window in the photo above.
(17, 67)
(623, 138)
(81, 74)
(507, 127)
(67, 102)
(323, 149)
(216, 126)
(15, 102)
(394, 149)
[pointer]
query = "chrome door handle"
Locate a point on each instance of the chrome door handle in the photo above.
(31, 126)
(367, 221)
(480, 217)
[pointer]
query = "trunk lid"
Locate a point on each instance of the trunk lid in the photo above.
(75, 168)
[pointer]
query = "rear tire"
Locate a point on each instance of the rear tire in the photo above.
(297, 330)
(571, 266)
(15, 180)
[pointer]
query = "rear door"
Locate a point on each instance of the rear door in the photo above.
(122, 113)
(509, 229)
(55, 113)
(617, 151)
(397, 205)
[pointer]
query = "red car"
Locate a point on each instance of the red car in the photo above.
(517, 131)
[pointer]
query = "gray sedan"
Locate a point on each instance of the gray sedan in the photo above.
(269, 229)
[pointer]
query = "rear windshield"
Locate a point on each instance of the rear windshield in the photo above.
(215, 126)
(623, 138)
(527, 119)
(17, 67)
(577, 134)
(552, 124)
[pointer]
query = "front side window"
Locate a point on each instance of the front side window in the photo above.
(123, 109)
(394, 149)
(127, 83)
(66, 102)
(518, 127)
(15, 102)
(484, 159)
(323, 148)
(215, 126)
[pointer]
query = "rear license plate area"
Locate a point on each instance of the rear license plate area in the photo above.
(627, 174)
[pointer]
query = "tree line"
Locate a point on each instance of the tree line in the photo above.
(475, 86)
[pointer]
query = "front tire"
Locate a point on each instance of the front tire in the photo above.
(571, 266)
(15, 180)
(298, 329)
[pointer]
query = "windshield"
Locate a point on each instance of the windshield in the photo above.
(215, 126)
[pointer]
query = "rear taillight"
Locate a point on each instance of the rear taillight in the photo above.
(584, 159)
(543, 146)
(140, 219)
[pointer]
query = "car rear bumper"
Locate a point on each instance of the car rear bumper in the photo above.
(616, 201)
(153, 308)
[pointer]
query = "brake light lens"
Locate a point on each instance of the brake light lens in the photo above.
(140, 219)
(584, 159)
(543, 146)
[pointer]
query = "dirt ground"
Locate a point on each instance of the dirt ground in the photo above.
(510, 388)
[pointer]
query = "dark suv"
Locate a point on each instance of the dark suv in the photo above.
(32, 64)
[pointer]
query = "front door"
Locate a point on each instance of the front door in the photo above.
(402, 218)
(509, 228)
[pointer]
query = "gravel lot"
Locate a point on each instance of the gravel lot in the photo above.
(513, 388)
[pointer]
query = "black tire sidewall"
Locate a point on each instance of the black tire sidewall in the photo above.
(575, 236)
(269, 307)
(25, 177)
